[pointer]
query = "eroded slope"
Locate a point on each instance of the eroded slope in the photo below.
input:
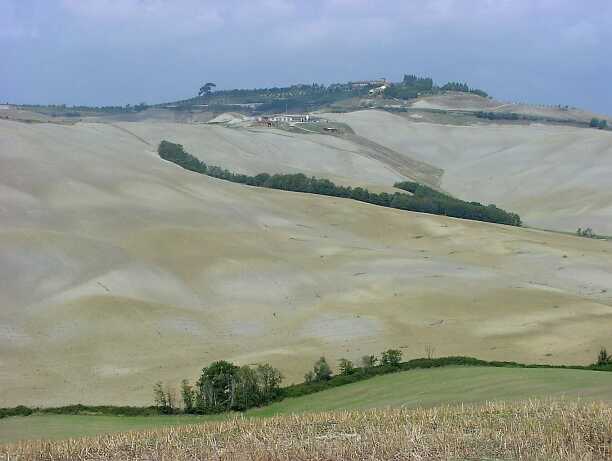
(118, 269)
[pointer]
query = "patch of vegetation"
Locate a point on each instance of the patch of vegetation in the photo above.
(423, 198)
(78, 409)
(224, 387)
(588, 233)
(597, 123)
(513, 116)
(464, 88)
(428, 200)
(412, 87)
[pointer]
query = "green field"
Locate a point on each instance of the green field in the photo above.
(417, 388)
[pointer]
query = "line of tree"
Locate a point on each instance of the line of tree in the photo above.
(423, 199)
(432, 201)
(513, 116)
(223, 386)
(588, 233)
(464, 88)
(413, 86)
(371, 365)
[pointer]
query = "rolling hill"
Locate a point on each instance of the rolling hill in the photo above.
(555, 177)
(118, 269)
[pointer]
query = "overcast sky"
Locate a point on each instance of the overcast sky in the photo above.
(107, 52)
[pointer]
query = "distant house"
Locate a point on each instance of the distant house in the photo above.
(378, 90)
(356, 85)
(290, 118)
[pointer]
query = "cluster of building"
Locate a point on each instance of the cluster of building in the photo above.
(376, 87)
(285, 118)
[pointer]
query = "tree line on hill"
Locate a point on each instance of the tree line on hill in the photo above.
(224, 386)
(221, 384)
(307, 96)
(423, 199)
(513, 116)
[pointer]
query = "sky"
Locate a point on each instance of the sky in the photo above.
(115, 52)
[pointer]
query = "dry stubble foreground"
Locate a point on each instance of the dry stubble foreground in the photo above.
(528, 430)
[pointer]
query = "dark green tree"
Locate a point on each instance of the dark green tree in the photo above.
(322, 370)
(188, 395)
(206, 89)
(391, 358)
(346, 367)
(603, 358)
(216, 387)
(268, 380)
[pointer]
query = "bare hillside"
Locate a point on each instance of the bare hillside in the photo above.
(254, 150)
(118, 269)
(554, 177)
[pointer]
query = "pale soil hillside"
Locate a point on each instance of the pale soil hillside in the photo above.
(555, 177)
(118, 269)
(257, 150)
(453, 101)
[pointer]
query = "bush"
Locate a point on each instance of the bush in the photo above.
(322, 370)
(391, 358)
(346, 367)
(603, 358)
(597, 123)
(588, 233)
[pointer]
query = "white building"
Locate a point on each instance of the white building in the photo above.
(290, 118)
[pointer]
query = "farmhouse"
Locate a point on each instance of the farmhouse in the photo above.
(367, 83)
(290, 118)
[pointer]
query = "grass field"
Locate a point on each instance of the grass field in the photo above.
(418, 388)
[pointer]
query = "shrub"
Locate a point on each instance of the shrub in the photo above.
(603, 358)
(346, 367)
(391, 358)
(322, 370)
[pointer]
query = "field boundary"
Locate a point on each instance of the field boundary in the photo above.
(297, 390)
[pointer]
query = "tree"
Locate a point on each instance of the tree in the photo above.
(368, 361)
(391, 358)
(603, 358)
(188, 395)
(268, 380)
(346, 367)
(164, 398)
(588, 232)
(309, 377)
(206, 89)
(429, 351)
(245, 390)
(140, 107)
(216, 387)
(159, 396)
(321, 370)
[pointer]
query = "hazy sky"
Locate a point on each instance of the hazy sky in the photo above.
(127, 51)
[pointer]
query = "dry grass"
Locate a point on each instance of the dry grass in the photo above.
(546, 430)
